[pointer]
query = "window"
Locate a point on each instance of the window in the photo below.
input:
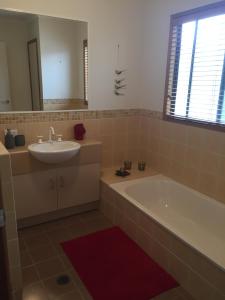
(195, 89)
(85, 58)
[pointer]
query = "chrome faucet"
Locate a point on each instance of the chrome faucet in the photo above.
(51, 134)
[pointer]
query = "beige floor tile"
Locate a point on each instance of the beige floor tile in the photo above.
(50, 268)
(59, 235)
(74, 295)
(185, 295)
(99, 223)
(73, 220)
(42, 253)
(35, 292)
(31, 231)
(169, 295)
(58, 248)
(80, 285)
(54, 225)
(78, 230)
(30, 275)
(41, 245)
(66, 262)
(22, 245)
(55, 290)
(25, 259)
(36, 240)
(91, 215)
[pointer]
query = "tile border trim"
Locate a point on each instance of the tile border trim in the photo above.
(35, 117)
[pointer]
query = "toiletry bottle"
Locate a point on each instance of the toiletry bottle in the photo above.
(9, 140)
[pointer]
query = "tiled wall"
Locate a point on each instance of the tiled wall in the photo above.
(191, 155)
(11, 228)
(119, 130)
(194, 156)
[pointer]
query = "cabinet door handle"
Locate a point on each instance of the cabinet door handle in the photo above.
(52, 184)
(61, 182)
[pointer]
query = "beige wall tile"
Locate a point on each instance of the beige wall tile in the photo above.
(16, 279)
(107, 159)
(195, 137)
(11, 226)
(221, 168)
(107, 142)
(220, 189)
(178, 152)
(190, 177)
(7, 195)
(207, 184)
(155, 128)
(134, 123)
(209, 162)
(120, 125)
(106, 126)
(177, 171)
(119, 155)
(193, 157)
(214, 141)
(165, 148)
(13, 253)
(92, 127)
(178, 269)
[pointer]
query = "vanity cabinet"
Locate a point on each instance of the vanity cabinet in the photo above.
(78, 185)
(35, 193)
(47, 191)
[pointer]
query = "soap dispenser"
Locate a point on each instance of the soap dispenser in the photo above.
(9, 140)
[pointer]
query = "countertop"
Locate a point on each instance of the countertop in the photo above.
(108, 174)
(24, 149)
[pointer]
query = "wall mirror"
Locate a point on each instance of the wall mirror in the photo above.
(43, 63)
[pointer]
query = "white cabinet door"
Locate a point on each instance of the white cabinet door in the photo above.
(35, 193)
(78, 185)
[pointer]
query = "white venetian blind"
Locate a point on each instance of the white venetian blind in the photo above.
(85, 49)
(196, 71)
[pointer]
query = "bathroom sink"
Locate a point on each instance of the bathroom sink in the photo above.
(54, 152)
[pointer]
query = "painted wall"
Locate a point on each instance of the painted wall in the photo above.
(61, 50)
(110, 23)
(15, 33)
(156, 36)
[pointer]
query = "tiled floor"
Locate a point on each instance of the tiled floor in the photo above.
(43, 260)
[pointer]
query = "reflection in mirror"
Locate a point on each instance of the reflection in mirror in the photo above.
(43, 63)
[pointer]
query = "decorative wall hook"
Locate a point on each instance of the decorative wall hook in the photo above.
(119, 72)
(118, 93)
(118, 87)
(119, 81)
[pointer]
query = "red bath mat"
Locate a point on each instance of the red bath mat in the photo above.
(113, 267)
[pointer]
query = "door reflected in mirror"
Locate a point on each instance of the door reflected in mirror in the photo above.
(43, 63)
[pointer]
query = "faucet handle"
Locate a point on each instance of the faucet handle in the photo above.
(59, 137)
(40, 139)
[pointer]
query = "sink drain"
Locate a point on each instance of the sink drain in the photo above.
(63, 280)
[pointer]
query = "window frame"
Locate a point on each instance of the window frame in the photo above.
(178, 19)
(85, 46)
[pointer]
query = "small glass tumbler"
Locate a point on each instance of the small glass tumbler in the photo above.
(141, 165)
(127, 164)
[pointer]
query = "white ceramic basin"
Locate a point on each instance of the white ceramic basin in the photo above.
(54, 152)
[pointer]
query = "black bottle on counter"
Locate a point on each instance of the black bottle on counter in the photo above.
(9, 140)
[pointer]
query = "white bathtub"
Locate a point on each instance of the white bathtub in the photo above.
(195, 218)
